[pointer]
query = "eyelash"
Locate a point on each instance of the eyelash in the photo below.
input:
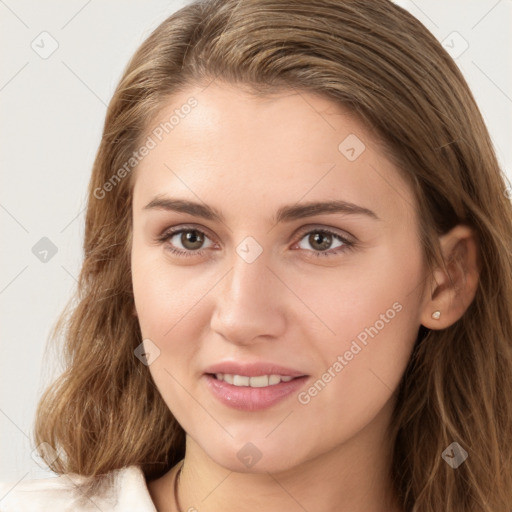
(348, 245)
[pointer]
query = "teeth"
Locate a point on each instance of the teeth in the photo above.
(260, 381)
(274, 379)
(239, 380)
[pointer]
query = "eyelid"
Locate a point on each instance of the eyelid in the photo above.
(167, 232)
(327, 229)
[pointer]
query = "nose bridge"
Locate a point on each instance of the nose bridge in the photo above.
(247, 285)
(247, 304)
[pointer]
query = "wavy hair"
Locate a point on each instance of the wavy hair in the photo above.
(380, 63)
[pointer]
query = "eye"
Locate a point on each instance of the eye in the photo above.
(185, 241)
(322, 239)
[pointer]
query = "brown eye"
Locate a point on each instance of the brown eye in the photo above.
(191, 239)
(319, 243)
(185, 241)
(321, 240)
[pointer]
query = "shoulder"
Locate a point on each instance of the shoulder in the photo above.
(117, 491)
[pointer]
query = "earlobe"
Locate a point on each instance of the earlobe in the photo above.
(454, 286)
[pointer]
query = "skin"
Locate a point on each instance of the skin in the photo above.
(247, 157)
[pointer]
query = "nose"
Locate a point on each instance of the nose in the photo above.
(249, 303)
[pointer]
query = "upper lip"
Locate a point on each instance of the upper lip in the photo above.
(252, 369)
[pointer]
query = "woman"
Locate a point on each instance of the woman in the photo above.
(297, 283)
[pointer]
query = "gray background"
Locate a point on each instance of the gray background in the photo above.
(52, 109)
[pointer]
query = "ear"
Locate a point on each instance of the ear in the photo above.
(453, 287)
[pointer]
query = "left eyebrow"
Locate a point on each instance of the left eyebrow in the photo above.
(286, 213)
(299, 211)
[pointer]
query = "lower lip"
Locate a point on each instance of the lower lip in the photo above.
(246, 398)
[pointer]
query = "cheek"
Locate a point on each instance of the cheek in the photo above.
(361, 370)
(163, 294)
(171, 313)
(376, 327)
(164, 300)
(374, 295)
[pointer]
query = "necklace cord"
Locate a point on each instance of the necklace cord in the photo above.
(176, 480)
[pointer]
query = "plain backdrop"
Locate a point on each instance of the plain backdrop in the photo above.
(52, 109)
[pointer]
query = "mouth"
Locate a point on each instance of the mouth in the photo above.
(253, 393)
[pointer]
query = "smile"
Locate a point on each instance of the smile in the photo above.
(259, 381)
(246, 394)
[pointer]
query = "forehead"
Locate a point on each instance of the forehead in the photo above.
(289, 147)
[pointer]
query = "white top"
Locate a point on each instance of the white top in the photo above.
(122, 490)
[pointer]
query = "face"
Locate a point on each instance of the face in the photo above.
(331, 294)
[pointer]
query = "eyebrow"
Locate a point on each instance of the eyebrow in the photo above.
(286, 213)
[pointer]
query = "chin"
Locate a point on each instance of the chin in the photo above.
(255, 457)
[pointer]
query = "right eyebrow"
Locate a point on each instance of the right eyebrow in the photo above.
(185, 206)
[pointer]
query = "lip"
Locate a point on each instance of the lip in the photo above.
(253, 369)
(245, 398)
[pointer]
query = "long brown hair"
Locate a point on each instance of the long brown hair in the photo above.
(380, 63)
